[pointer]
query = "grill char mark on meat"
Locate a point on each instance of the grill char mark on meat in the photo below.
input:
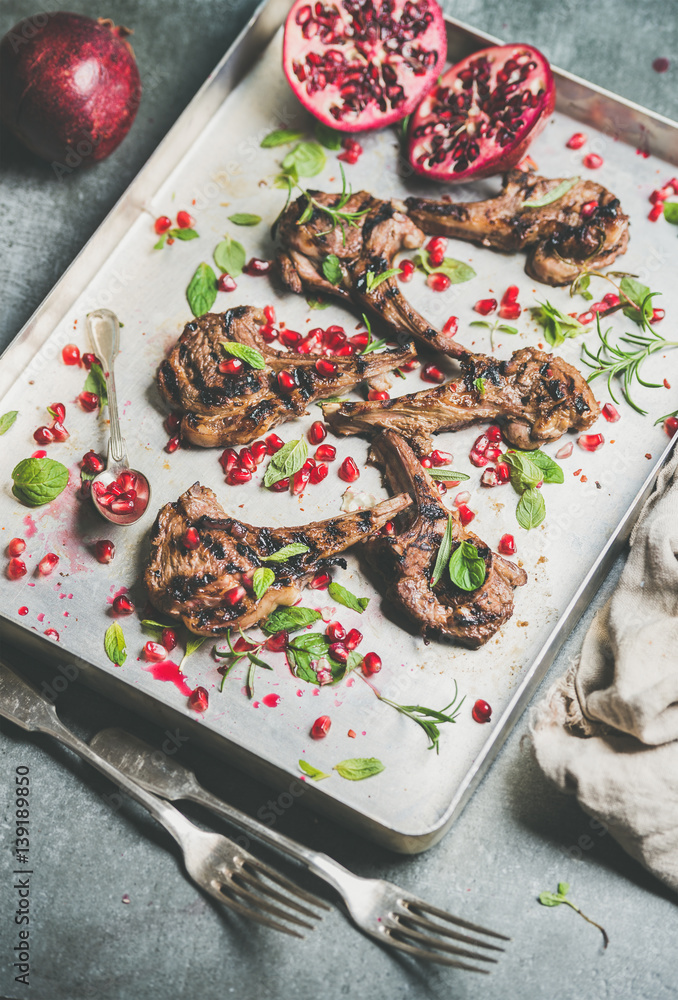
(559, 241)
(219, 409)
(519, 394)
(404, 561)
(190, 584)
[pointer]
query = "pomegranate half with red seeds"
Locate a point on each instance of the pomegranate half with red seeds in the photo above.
(363, 64)
(483, 114)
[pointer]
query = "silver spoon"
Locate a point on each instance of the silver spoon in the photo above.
(120, 494)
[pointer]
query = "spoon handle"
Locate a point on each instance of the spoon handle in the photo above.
(104, 333)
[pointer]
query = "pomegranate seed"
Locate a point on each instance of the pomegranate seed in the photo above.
(155, 652)
(431, 373)
(376, 395)
(317, 432)
(281, 486)
(510, 311)
(338, 652)
(278, 642)
(481, 444)
(426, 462)
(309, 464)
(586, 317)
(671, 425)
(436, 259)
(462, 497)
(576, 141)
(39, 454)
(274, 443)
(360, 340)
(591, 442)
(661, 194)
(588, 209)
(439, 458)
(466, 515)
(611, 413)
(349, 156)
(289, 338)
(243, 646)
(104, 550)
(326, 368)
(89, 401)
(246, 459)
(90, 359)
(477, 458)
(371, 664)
(162, 224)
(510, 295)
(493, 433)
(438, 282)
(121, 505)
(58, 411)
(231, 367)
(437, 244)
(286, 381)
(228, 459)
(592, 161)
(485, 306)
(43, 435)
(172, 445)
(269, 333)
(122, 605)
(503, 473)
(611, 300)
(300, 481)
(353, 639)
(48, 563)
(199, 700)
(184, 220)
(326, 453)
(450, 327)
(507, 545)
(234, 596)
(406, 270)
(16, 547)
(16, 568)
(335, 631)
(481, 711)
(319, 473)
(169, 639)
(59, 431)
(321, 727)
(657, 315)
(238, 476)
(70, 355)
(172, 422)
(255, 267)
(673, 183)
(565, 451)
(489, 478)
(388, 529)
(320, 581)
(91, 462)
(191, 539)
(348, 471)
(656, 212)
(492, 453)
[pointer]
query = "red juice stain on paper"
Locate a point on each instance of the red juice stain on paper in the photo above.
(350, 682)
(167, 670)
(31, 527)
(300, 693)
(255, 704)
(316, 692)
(115, 593)
(271, 700)
(23, 611)
(41, 617)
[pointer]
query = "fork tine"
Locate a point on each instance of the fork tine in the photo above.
(263, 887)
(419, 904)
(230, 884)
(251, 914)
(432, 942)
(429, 956)
(448, 932)
(287, 884)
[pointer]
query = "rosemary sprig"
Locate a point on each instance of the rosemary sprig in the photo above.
(427, 718)
(612, 360)
(335, 212)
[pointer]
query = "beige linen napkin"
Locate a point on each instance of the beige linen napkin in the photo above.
(607, 731)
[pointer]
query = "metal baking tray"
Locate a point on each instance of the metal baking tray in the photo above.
(211, 163)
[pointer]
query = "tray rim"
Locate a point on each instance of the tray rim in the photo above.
(233, 66)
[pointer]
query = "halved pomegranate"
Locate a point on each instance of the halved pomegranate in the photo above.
(483, 114)
(363, 64)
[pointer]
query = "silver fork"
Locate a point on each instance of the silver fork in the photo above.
(219, 866)
(391, 915)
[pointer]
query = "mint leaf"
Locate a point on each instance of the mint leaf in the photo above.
(202, 290)
(373, 280)
(551, 471)
(230, 256)
(153, 628)
(317, 304)
(37, 481)
(193, 644)
(358, 768)
(279, 137)
(332, 269)
(524, 472)
(671, 212)
(444, 552)
(558, 326)
(183, 234)
(114, 644)
(312, 772)
(314, 643)
(286, 462)
(161, 242)
(531, 509)
(467, 567)
(447, 475)
(329, 137)
(244, 219)
(343, 596)
(286, 552)
(96, 383)
(244, 352)
(557, 192)
(308, 159)
(456, 270)
(7, 419)
(262, 579)
(290, 619)
(640, 295)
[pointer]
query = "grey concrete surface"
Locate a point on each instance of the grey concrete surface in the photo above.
(516, 837)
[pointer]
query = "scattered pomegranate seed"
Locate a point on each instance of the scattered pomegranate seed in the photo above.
(268, 332)
(611, 300)
(39, 454)
(376, 395)
(281, 486)
(191, 539)
(277, 642)
(321, 727)
(246, 460)
(503, 473)
(317, 432)
(576, 141)
(199, 699)
(48, 563)
(286, 381)
(353, 639)
(438, 282)
(89, 401)
(466, 515)
(410, 366)
(335, 631)
(611, 413)
(656, 212)
(431, 373)
(172, 445)
(489, 478)
(338, 652)
(388, 529)
(43, 435)
(661, 194)
(673, 183)
(406, 270)
(493, 433)
(274, 443)
(90, 359)
(671, 425)
(660, 65)
(586, 317)
(122, 605)
(657, 315)
(371, 664)
(565, 451)
(326, 453)
(269, 313)
(462, 497)
(588, 209)
(162, 224)
(184, 220)
(16, 568)
(155, 651)
(481, 711)
(300, 481)
(591, 442)
(507, 545)
(70, 355)
(351, 734)
(255, 267)
(439, 458)
(172, 422)
(326, 368)
(228, 459)
(320, 581)
(426, 462)
(319, 473)
(348, 471)
(485, 306)
(360, 340)
(231, 367)
(510, 311)
(243, 646)
(238, 476)
(91, 462)
(16, 547)
(667, 384)
(492, 453)
(451, 326)
(169, 638)
(234, 596)
(104, 550)
(592, 161)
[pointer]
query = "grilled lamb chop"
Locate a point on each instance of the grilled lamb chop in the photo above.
(535, 397)
(227, 408)
(210, 587)
(584, 228)
(369, 245)
(404, 561)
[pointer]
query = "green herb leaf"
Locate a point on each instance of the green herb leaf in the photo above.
(308, 159)
(329, 137)
(444, 553)
(640, 295)
(286, 552)
(290, 619)
(531, 509)
(317, 304)
(556, 898)
(479, 386)
(428, 719)
(343, 596)
(358, 768)
(671, 212)
(193, 644)
(580, 286)
(202, 290)
(373, 345)
(481, 322)
(161, 242)
(563, 888)
(551, 471)
(372, 280)
(467, 567)
(447, 475)
(37, 481)
(286, 462)
(557, 192)
(312, 772)
(6, 420)
(558, 326)
(314, 643)
(230, 256)
(280, 137)
(114, 644)
(524, 472)
(332, 269)
(550, 899)
(244, 219)
(96, 383)
(153, 628)
(183, 234)
(456, 270)
(512, 330)
(251, 355)
(262, 580)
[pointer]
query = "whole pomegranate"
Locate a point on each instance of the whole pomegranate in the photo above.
(362, 64)
(69, 86)
(483, 114)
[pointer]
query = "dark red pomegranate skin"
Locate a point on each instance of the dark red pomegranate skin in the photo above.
(69, 86)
